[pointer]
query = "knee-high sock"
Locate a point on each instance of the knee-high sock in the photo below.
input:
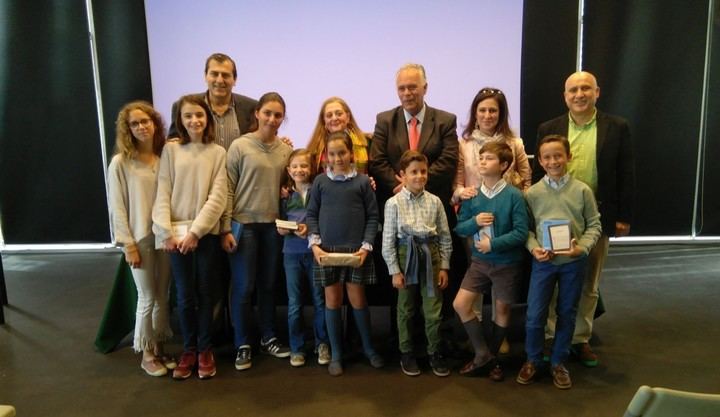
(334, 328)
(477, 339)
(362, 320)
(498, 335)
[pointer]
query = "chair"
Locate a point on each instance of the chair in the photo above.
(7, 411)
(663, 402)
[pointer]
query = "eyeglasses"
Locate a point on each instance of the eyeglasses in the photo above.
(138, 123)
(491, 91)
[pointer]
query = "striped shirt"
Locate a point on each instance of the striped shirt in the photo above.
(226, 126)
(419, 215)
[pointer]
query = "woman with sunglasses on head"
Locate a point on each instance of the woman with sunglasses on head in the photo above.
(488, 122)
(132, 182)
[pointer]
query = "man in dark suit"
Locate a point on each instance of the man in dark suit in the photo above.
(233, 113)
(602, 157)
(436, 138)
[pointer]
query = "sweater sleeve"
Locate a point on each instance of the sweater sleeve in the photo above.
(466, 224)
(593, 227)
(313, 208)
(161, 213)
(214, 206)
(519, 233)
(118, 199)
(522, 164)
(372, 215)
(233, 170)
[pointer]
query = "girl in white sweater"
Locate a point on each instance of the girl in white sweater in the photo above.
(132, 181)
(192, 190)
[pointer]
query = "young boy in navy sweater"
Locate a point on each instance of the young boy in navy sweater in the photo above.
(557, 197)
(497, 218)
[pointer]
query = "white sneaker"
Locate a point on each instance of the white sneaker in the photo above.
(323, 352)
(297, 359)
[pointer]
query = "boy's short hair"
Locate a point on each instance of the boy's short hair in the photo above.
(500, 149)
(554, 138)
(410, 156)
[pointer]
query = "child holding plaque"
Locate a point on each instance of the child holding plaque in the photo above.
(498, 221)
(557, 201)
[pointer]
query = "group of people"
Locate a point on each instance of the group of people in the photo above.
(203, 206)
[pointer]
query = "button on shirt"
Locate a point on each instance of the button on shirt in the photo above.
(419, 215)
(226, 126)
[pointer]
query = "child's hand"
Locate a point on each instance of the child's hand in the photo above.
(542, 255)
(484, 219)
(170, 244)
(132, 256)
(573, 252)
(302, 230)
(483, 245)
(284, 192)
(228, 243)
(318, 253)
(362, 253)
(283, 232)
(468, 193)
(286, 140)
(398, 280)
(188, 243)
(443, 279)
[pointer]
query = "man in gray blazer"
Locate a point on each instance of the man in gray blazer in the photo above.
(602, 157)
(233, 113)
(437, 131)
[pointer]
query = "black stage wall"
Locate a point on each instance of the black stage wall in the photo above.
(648, 57)
(51, 171)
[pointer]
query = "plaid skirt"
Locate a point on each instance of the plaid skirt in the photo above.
(325, 276)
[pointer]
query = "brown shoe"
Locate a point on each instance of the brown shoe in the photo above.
(561, 377)
(473, 368)
(496, 374)
(527, 373)
(206, 365)
(585, 354)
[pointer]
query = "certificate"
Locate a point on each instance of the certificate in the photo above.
(556, 235)
(286, 224)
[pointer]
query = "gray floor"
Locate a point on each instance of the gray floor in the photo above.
(660, 329)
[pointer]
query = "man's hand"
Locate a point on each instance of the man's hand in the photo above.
(398, 280)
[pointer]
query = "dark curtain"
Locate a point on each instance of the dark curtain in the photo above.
(709, 213)
(549, 42)
(51, 175)
(52, 187)
(648, 57)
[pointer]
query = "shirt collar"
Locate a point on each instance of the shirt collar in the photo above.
(409, 195)
(420, 116)
(586, 125)
(491, 192)
(341, 177)
(556, 185)
(231, 106)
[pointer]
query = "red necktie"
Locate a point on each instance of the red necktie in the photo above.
(414, 137)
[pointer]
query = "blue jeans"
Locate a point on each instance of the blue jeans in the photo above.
(569, 278)
(197, 291)
(299, 267)
(254, 265)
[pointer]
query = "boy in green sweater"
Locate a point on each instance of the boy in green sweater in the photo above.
(561, 199)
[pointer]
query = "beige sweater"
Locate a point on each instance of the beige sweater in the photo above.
(131, 193)
(192, 186)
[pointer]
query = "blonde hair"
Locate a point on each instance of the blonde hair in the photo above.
(125, 143)
(316, 146)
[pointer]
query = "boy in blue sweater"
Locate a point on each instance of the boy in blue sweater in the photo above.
(497, 218)
(557, 196)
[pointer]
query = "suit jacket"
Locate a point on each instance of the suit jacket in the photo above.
(244, 111)
(615, 166)
(438, 142)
